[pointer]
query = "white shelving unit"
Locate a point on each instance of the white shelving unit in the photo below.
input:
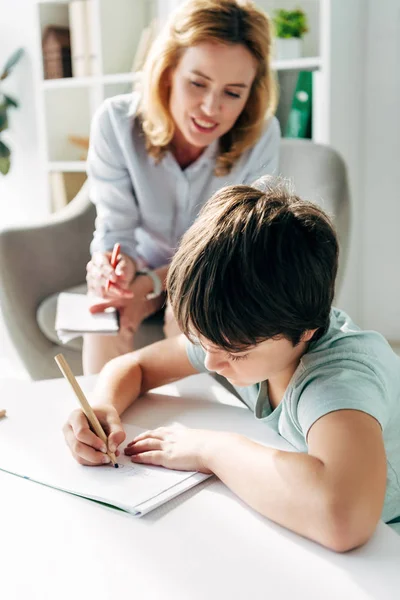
(66, 106)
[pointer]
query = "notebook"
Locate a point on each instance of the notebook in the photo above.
(74, 318)
(37, 424)
(32, 445)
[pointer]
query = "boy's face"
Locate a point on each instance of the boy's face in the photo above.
(274, 359)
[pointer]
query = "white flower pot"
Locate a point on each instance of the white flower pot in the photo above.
(288, 48)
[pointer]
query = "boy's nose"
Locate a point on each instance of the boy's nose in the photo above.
(213, 362)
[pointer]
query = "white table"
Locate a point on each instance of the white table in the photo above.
(205, 544)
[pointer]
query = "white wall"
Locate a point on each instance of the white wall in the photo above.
(380, 206)
(346, 121)
(22, 190)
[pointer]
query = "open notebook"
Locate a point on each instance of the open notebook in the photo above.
(133, 488)
(32, 446)
(74, 317)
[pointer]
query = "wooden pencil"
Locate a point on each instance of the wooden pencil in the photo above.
(2, 413)
(87, 409)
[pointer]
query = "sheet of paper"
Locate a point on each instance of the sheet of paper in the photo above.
(74, 317)
(44, 457)
(32, 444)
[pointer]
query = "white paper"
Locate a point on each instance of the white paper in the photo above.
(32, 444)
(42, 455)
(74, 317)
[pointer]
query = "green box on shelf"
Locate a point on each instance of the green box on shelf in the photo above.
(299, 124)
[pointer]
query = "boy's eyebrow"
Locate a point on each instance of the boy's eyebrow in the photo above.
(214, 350)
(205, 347)
(200, 74)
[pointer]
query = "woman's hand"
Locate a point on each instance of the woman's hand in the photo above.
(174, 447)
(133, 309)
(100, 271)
(85, 446)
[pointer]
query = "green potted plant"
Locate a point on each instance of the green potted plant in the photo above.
(290, 26)
(5, 103)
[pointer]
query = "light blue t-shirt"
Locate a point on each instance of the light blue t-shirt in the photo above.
(346, 369)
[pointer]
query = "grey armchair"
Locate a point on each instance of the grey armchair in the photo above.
(41, 260)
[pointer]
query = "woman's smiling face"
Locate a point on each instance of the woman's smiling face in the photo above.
(209, 89)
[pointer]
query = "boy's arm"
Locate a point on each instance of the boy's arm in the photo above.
(333, 495)
(127, 377)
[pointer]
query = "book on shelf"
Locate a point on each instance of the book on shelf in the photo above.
(94, 67)
(299, 124)
(84, 56)
(64, 186)
(56, 49)
(145, 41)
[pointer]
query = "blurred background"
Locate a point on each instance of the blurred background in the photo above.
(337, 62)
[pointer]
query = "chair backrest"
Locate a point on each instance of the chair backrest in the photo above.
(318, 174)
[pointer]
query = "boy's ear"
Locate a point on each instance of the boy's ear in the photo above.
(308, 334)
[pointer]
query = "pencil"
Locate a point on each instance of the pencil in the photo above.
(87, 409)
(2, 413)
(114, 262)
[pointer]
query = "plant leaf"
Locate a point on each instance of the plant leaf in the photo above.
(4, 150)
(5, 164)
(12, 61)
(3, 118)
(10, 101)
(4, 158)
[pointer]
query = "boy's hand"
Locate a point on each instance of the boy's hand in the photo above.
(85, 446)
(174, 447)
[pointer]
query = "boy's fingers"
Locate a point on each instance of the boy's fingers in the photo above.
(81, 431)
(115, 439)
(143, 446)
(116, 433)
(82, 453)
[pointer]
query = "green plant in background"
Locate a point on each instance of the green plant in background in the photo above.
(290, 23)
(5, 103)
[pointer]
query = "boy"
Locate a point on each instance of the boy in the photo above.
(251, 287)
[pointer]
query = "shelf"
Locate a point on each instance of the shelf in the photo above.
(73, 82)
(297, 64)
(72, 166)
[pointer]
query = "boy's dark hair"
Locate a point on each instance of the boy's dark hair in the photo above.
(258, 263)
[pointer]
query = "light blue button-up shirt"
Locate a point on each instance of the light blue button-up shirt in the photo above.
(145, 206)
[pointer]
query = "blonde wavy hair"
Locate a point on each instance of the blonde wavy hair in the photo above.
(197, 21)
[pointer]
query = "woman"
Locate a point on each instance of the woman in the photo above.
(202, 120)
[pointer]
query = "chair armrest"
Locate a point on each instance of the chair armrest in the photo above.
(47, 257)
(39, 260)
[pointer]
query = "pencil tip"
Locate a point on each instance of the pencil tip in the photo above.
(116, 466)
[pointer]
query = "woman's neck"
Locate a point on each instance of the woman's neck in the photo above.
(185, 154)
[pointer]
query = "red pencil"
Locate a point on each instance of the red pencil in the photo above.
(114, 262)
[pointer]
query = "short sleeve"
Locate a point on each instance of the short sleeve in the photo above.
(196, 356)
(350, 386)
